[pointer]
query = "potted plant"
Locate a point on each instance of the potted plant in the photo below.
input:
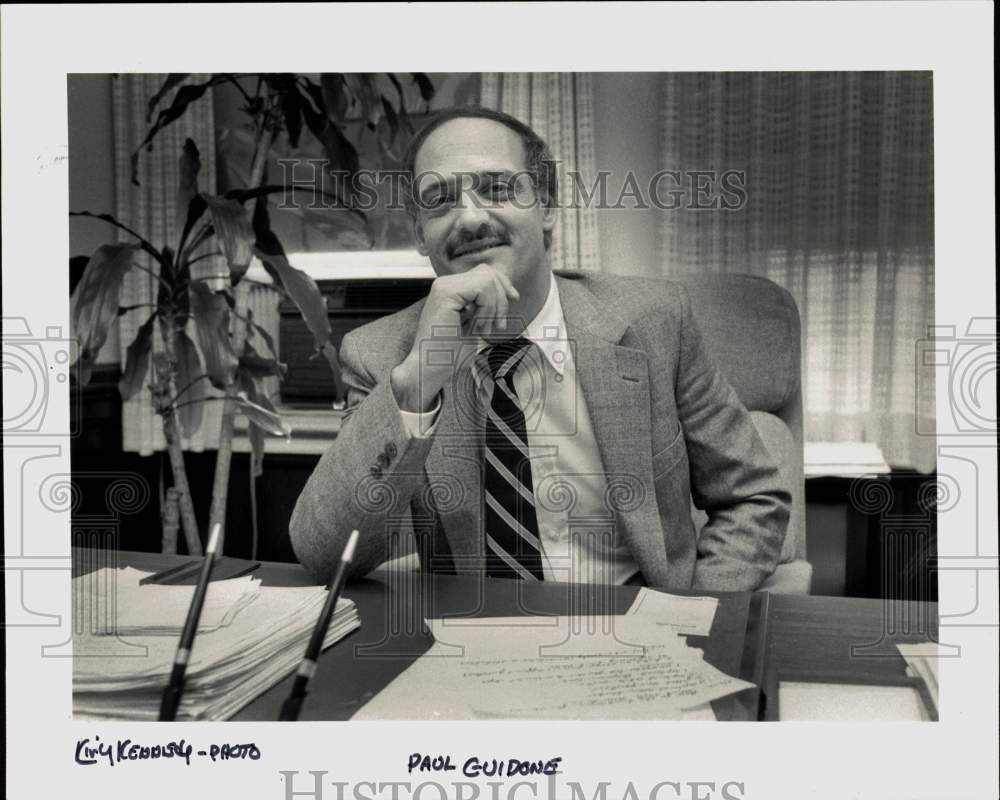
(238, 223)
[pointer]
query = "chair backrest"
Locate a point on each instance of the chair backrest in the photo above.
(751, 330)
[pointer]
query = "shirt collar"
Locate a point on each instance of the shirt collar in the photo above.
(547, 331)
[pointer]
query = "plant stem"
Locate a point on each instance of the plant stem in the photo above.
(223, 459)
(165, 388)
(170, 520)
(188, 521)
(266, 135)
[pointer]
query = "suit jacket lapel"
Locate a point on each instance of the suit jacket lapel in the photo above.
(455, 465)
(614, 380)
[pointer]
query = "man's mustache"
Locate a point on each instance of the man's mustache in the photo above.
(485, 233)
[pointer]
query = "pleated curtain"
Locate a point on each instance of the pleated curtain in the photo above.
(150, 210)
(559, 107)
(839, 185)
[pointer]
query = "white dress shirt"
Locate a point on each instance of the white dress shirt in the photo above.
(580, 538)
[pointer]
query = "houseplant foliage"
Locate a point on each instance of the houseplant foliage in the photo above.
(233, 352)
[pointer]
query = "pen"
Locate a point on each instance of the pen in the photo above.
(175, 688)
(290, 708)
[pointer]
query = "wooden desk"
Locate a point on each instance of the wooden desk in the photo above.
(823, 636)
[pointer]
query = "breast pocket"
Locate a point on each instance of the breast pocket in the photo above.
(670, 456)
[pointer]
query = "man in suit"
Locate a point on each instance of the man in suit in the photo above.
(527, 424)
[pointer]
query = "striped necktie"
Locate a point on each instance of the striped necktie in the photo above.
(513, 549)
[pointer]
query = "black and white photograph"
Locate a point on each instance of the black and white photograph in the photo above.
(478, 419)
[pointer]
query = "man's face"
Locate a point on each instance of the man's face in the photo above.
(476, 204)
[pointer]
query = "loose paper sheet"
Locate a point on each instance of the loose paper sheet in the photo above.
(631, 668)
(922, 662)
(688, 615)
(803, 701)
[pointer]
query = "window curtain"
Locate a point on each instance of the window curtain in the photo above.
(150, 210)
(559, 107)
(839, 209)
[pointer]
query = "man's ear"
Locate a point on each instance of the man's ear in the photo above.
(548, 217)
(418, 234)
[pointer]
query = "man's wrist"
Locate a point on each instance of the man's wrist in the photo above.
(412, 394)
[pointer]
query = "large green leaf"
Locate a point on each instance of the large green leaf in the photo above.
(390, 116)
(291, 109)
(195, 210)
(300, 287)
(332, 98)
(254, 329)
(172, 80)
(184, 97)
(425, 86)
(211, 318)
(256, 365)
(262, 414)
(137, 360)
(297, 284)
(362, 85)
(187, 183)
(191, 390)
(231, 221)
(303, 291)
(258, 445)
(338, 149)
(145, 244)
(255, 433)
(404, 119)
(94, 304)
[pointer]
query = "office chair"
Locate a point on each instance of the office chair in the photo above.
(751, 330)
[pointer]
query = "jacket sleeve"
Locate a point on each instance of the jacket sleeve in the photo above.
(733, 476)
(365, 480)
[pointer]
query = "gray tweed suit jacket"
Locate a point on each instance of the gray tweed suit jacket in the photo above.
(669, 428)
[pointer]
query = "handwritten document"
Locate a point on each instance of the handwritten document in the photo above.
(632, 668)
(688, 615)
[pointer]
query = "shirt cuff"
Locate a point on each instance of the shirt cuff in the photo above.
(421, 425)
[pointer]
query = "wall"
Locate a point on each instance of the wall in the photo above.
(626, 138)
(91, 159)
(91, 172)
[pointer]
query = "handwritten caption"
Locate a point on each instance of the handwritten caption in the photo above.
(473, 767)
(93, 751)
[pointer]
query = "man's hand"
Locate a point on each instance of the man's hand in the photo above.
(473, 303)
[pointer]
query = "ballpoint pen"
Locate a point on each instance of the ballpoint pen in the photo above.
(290, 708)
(175, 688)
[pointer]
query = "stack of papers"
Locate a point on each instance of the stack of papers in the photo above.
(249, 638)
(615, 667)
(120, 604)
